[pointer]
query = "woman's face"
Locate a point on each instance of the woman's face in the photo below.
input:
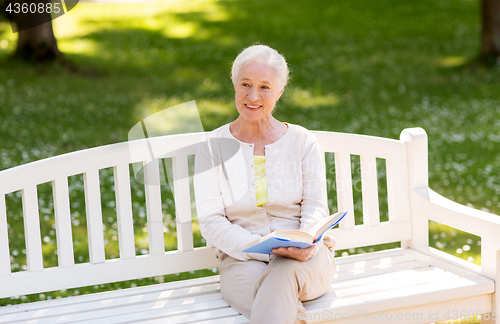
(257, 90)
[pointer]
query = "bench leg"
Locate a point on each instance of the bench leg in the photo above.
(492, 317)
(488, 318)
(490, 267)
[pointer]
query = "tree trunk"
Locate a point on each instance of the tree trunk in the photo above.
(36, 43)
(490, 47)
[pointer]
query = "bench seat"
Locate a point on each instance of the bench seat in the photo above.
(372, 286)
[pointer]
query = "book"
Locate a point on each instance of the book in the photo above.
(298, 238)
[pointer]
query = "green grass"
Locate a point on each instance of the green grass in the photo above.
(368, 67)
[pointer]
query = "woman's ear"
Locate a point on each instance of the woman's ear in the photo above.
(281, 92)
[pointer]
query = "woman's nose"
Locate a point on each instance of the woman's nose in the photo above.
(253, 94)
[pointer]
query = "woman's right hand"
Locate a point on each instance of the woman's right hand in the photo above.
(296, 253)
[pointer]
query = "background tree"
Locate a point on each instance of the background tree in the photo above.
(490, 42)
(36, 41)
(38, 44)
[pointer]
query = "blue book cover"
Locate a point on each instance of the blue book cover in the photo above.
(296, 238)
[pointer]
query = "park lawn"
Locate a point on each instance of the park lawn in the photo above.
(368, 67)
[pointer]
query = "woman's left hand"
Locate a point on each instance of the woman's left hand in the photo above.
(296, 253)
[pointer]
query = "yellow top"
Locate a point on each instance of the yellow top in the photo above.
(260, 180)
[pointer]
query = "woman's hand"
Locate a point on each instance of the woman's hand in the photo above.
(296, 253)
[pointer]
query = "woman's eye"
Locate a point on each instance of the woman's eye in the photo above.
(265, 87)
(246, 85)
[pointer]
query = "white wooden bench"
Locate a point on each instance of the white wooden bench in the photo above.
(411, 284)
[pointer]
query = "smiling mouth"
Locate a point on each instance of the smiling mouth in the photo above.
(252, 107)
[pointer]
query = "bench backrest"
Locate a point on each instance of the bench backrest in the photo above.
(393, 163)
(56, 170)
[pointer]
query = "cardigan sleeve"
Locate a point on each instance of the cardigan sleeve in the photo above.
(214, 225)
(314, 204)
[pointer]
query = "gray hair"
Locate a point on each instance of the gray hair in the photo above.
(262, 54)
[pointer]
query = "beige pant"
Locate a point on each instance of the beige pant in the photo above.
(273, 293)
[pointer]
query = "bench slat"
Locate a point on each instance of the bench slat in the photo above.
(238, 319)
(118, 310)
(4, 239)
(356, 144)
(397, 191)
(386, 232)
(372, 256)
(193, 317)
(368, 273)
(371, 214)
(153, 207)
(423, 288)
(62, 214)
(182, 199)
(388, 281)
(32, 229)
(126, 238)
(367, 265)
(214, 314)
(168, 311)
(393, 281)
(344, 188)
(130, 294)
(410, 314)
(94, 216)
(110, 271)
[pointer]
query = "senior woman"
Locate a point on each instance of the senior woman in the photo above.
(275, 180)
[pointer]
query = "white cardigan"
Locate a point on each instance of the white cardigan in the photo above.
(224, 185)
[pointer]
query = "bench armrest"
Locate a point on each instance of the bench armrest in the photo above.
(435, 207)
(432, 206)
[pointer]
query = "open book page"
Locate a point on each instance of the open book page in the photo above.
(296, 235)
(316, 229)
